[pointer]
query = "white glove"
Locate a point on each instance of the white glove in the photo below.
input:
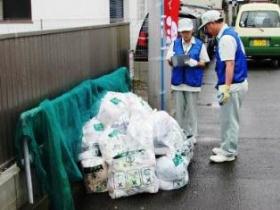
(191, 62)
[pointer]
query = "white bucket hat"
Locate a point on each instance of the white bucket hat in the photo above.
(185, 24)
(210, 16)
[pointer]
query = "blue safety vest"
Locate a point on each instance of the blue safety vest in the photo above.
(191, 76)
(240, 65)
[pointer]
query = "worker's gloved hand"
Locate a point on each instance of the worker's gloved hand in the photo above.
(170, 62)
(191, 62)
(223, 94)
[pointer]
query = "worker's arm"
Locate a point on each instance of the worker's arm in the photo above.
(225, 89)
(203, 57)
(227, 51)
(229, 72)
(169, 54)
(201, 64)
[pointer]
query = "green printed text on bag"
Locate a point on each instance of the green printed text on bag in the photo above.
(177, 160)
(114, 133)
(98, 127)
(115, 101)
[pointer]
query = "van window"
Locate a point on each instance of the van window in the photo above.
(263, 19)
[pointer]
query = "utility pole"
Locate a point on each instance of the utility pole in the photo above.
(230, 12)
(158, 71)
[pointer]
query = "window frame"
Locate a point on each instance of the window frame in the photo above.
(116, 19)
(27, 19)
(249, 13)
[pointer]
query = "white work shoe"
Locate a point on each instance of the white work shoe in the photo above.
(218, 151)
(221, 158)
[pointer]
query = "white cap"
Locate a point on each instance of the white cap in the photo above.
(185, 24)
(210, 16)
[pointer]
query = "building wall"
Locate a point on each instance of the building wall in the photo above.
(53, 14)
(35, 66)
(215, 4)
(135, 12)
(13, 192)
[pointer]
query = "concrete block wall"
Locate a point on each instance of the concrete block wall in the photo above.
(13, 193)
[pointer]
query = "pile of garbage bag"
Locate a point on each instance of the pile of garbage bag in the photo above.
(129, 148)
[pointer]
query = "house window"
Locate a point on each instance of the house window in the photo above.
(15, 9)
(1, 9)
(116, 11)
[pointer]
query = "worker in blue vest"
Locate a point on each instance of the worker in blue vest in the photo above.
(186, 80)
(232, 85)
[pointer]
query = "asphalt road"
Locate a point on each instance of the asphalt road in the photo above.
(252, 182)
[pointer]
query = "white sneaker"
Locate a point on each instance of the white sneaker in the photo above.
(218, 151)
(221, 158)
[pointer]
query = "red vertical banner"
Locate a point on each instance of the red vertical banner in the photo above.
(171, 15)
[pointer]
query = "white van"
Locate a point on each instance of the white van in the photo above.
(258, 25)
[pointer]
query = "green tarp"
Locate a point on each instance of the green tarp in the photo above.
(54, 130)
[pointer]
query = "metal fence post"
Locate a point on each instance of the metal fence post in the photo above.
(28, 171)
(131, 63)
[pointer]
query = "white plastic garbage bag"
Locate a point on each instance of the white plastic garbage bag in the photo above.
(127, 134)
(187, 149)
(140, 129)
(122, 123)
(172, 172)
(89, 154)
(129, 152)
(167, 134)
(131, 173)
(131, 131)
(113, 142)
(137, 104)
(92, 131)
(95, 174)
(113, 105)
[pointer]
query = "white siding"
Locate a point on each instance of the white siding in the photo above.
(135, 12)
(53, 14)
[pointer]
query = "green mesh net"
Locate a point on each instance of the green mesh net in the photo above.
(54, 131)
